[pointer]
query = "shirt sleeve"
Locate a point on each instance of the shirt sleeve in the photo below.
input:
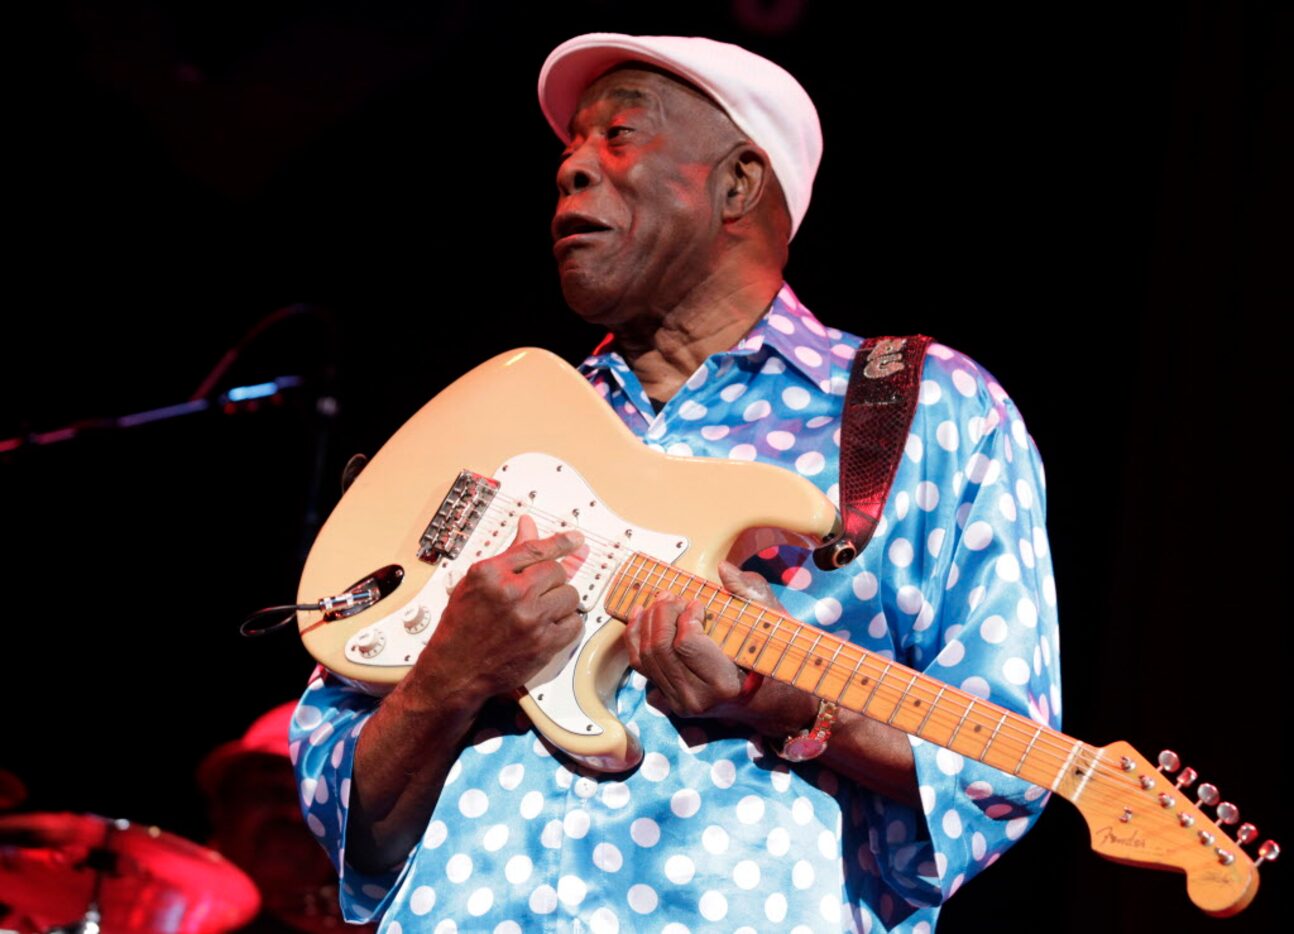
(325, 730)
(970, 600)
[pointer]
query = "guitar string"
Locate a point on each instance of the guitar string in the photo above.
(1056, 748)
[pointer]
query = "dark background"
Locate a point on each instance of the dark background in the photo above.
(1093, 203)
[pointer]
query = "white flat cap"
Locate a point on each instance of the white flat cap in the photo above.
(761, 98)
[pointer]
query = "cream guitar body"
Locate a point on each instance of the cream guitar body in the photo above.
(524, 434)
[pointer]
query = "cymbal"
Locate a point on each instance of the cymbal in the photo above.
(53, 866)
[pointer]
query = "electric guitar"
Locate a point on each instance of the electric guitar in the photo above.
(525, 434)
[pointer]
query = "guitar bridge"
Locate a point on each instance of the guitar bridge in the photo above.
(458, 516)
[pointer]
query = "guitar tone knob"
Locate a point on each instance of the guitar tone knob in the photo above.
(1208, 795)
(1169, 761)
(1228, 813)
(1187, 778)
(1268, 852)
(1246, 834)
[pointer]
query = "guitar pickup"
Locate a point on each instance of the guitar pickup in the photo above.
(458, 516)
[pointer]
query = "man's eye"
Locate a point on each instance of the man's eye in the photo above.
(616, 131)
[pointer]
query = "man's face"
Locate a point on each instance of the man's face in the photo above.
(638, 207)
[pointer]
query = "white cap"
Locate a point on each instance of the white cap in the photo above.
(761, 98)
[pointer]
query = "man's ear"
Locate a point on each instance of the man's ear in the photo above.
(746, 176)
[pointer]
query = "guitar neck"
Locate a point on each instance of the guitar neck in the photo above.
(783, 648)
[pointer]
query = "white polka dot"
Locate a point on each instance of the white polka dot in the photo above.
(978, 535)
(540, 748)
(1026, 553)
(952, 654)
(604, 921)
(1049, 589)
(949, 762)
(1008, 568)
(953, 574)
(946, 435)
(532, 804)
(479, 902)
(551, 837)
(691, 411)
(1015, 828)
(1040, 542)
(563, 776)
(1034, 792)
(518, 869)
(909, 599)
(964, 382)
(780, 440)
(977, 686)
(642, 898)
(963, 511)
(321, 793)
(750, 809)
(864, 585)
(808, 356)
(714, 907)
(818, 421)
(746, 874)
(680, 869)
(1024, 493)
(1026, 613)
(900, 552)
(779, 841)
(757, 410)
(797, 578)
(571, 890)
(935, 542)
(459, 867)
(827, 611)
(645, 832)
(952, 824)
(781, 323)
(321, 734)
(422, 900)
(775, 907)
(607, 857)
(802, 874)
(913, 448)
(435, 834)
(308, 717)
(1016, 670)
(810, 463)
(828, 848)
(448, 926)
(732, 393)
(714, 432)
(975, 597)
(495, 838)
(795, 397)
(901, 503)
(930, 392)
(802, 811)
(473, 803)
(925, 617)
(942, 351)
(994, 630)
(685, 802)
(723, 773)
(576, 824)
(679, 449)
(742, 452)
(927, 793)
(878, 626)
(543, 900)
(655, 767)
(510, 775)
(978, 845)
(316, 825)
(829, 908)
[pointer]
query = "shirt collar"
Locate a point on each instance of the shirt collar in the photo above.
(788, 328)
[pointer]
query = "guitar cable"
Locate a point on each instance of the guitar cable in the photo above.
(357, 599)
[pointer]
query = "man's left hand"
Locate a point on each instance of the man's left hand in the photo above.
(667, 643)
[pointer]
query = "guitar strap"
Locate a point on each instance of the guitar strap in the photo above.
(882, 397)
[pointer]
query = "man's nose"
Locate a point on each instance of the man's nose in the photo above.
(579, 169)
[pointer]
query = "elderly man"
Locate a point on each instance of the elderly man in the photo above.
(687, 170)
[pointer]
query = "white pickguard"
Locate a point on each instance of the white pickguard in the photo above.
(557, 498)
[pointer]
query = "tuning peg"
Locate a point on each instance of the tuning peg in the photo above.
(1268, 852)
(1169, 762)
(1246, 834)
(1207, 795)
(1228, 813)
(1187, 778)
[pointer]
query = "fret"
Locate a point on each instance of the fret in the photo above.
(722, 615)
(826, 669)
(984, 752)
(804, 661)
(795, 634)
(902, 697)
(1064, 767)
(735, 655)
(777, 622)
(930, 710)
(970, 705)
(1087, 776)
(1028, 749)
(876, 687)
(862, 657)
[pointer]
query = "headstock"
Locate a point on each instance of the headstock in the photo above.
(1140, 815)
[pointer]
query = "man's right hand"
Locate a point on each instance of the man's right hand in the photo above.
(506, 618)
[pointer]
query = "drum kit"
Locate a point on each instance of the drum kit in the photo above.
(84, 874)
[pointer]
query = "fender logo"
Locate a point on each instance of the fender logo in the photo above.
(885, 359)
(1134, 840)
